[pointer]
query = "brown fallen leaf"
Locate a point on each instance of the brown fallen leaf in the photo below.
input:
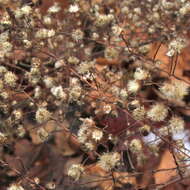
(166, 166)
(95, 176)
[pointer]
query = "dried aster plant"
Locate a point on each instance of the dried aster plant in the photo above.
(92, 73)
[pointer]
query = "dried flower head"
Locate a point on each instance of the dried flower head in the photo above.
(10, 79)
(111, 53)
(185, 9)
(45, 33)
(139, 113)
(123, 94)
(175, 89)
(89, 146)
(15, 187)
(85, 67)
(73, 8)
(176, 46)
(54, 9)
(107, 109)
(109, 160)
(158, 112)
(83, 134)
(141, 74)
(75, 93)
(3, 70)
(42, 115)
(135, 146)
(48, 81)
(3, 138)
(58, 92)
(75, 171)
(103, 19)
(97, 134)
(176, 124)
(77, 35)
(133, 86)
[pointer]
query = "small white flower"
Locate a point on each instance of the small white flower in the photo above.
(103, 19)
(116, 30)
(10, 79)
(59, 63)
(135, 146)
(107, 109)
(77, 35)
(123, 94)
(139, 113)
(3, 70)
(58, 92)
(85, 66)
(47, 20)
(49, 82)
(73, 8)
(3, 138)
(141, 74)
(90, 146)
(75, 171)
(176, 46)
(97, 134)
(109, 160)
(83, 134)
(175, 89)
(42, 115)
(133, 86)
(75, 93)
(89, 122)
(55, 8)
(45, 33)
(158, 112)
(185, 9)
(73, 60)
(176, 124)
(15, 187)
(26, 10)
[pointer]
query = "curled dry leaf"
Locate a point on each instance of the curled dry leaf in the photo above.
(95, 176)
(167, 168)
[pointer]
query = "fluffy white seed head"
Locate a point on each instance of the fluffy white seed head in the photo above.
(109, 160)
(135, 146)
(175, 89)
(141, 74)
(176, 124)
(158, 112)
(42, 115)
(176, 46)
(10, 79)
(139, 113)
(54, 9)
(97, 134)
(58, 92)
(73, 8)
(15, 187)
(48, 81)
(75, 171)
(133, 86)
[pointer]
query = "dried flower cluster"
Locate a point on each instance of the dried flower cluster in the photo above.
(87, 67)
